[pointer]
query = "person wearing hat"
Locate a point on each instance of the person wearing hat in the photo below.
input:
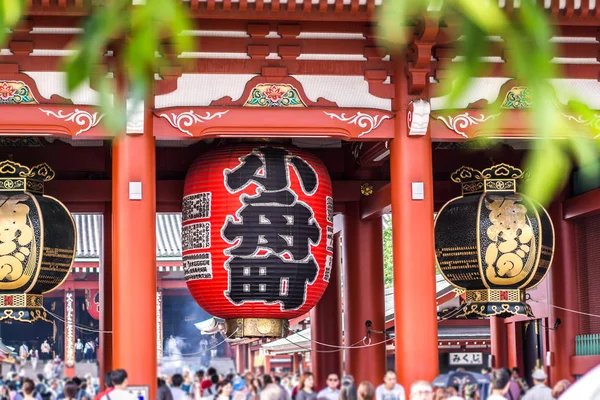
(539, 391)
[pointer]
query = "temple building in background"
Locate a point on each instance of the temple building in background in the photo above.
(308, 75)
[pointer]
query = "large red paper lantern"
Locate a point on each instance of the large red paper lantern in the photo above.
(92, 303)
(257, 235)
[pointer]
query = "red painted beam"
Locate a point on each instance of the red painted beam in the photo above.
(464, 322)
(377, 204)
(172, 284)
(170, 192)
(348, 191)
(579, 365)
(80, 191)
(583, 205)
(380, 202)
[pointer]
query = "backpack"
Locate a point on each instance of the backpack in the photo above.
(210, 391)
(43, 391)
(522, 386)
(81, 395)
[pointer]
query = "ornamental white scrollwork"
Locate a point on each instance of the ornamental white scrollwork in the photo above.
(82, 118)
(362, 120)
(463, 121)
(593, 122)
(186, 119)
(417, 117)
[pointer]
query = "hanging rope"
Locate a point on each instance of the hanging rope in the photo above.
(82, 328)
(208, 349)
(566, 309)
(339, 348)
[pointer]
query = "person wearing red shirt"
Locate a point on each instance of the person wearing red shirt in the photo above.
(109, 387)
(207, 382)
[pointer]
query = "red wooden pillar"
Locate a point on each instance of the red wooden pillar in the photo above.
(563, 293)
(105, 358)
(413, 244)
(238, 359)
(295, 363)
(326, 324)
(499, 342)
(240, 363)
(267, 364)
(69, 328)
(250, 359)
(134, 256)
(514, 336)
(363, 294)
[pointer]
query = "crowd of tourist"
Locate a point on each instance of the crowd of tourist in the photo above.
(18, 387)
(503, 384)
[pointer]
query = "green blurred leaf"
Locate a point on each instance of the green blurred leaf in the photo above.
(471, 48)
(393, 17)
(486, 15)
(11, 11)
(548, 167)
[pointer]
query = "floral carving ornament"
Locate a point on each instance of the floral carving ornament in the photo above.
(274, 95)
(16, 92)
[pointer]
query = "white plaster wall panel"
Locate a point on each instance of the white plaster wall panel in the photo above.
(201, 90)
(586, 90)
(331, 35)
(229, 34)
(331, 57)
(346, 91)
(572, 39)
(52, 53)
(566, 60)
(479, 88)
(50, 83)
(56, 31)
(220, 56)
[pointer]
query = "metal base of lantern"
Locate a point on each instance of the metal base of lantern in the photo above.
(494, 303)
(256, 327)
(22, 307)
(501, 310)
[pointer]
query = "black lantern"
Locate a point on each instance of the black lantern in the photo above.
(37, 241)
(493, 242)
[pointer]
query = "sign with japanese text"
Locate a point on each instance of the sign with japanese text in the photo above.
(159, 327)
(466, 359)
(69, 329)
(257, 231)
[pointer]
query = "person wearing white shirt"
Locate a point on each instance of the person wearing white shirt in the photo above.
(390, 390)
(24, 352)
(499, 384)
(331, 392)
(119, 380)
(78, 350)
(421, 390)
(176, 392)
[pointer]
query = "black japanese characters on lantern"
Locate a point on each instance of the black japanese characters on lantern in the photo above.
(493, 242)
(272, 219)
(257, 235)
(37, 241)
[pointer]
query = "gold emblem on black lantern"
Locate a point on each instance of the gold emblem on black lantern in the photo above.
(493, 242)
(37, 241)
